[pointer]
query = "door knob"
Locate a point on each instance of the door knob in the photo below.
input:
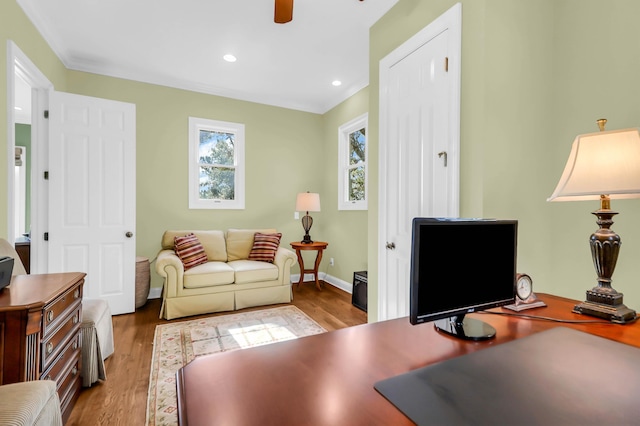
(129, 234)
(391, 246)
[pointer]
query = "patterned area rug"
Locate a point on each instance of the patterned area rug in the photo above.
(178, 343)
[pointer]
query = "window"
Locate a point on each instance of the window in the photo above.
(352, 164)
(216, 164)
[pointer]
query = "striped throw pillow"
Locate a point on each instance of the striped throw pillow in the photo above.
(189, 250)
(265, 247)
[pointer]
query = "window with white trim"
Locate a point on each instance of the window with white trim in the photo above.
(352, 164)
(216, 164)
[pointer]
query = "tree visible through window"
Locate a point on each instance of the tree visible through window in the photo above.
(352, 165)
(357, 159)
(216, 161)
(216, 165)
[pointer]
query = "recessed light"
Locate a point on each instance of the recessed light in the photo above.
(229, 57)
(17, 108)
(336, 82)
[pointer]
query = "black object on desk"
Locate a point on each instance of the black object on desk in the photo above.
(558, 376)
(6, 268)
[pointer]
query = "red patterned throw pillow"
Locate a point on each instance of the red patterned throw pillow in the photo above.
(265, 247)
(189, 250)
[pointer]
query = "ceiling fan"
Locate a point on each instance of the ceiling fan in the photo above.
(284, 11)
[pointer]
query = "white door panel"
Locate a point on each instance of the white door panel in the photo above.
(419, 141)
(92, 195)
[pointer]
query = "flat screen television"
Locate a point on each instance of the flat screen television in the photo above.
(459, 266)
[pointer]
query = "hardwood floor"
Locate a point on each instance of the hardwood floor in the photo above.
(122, 398)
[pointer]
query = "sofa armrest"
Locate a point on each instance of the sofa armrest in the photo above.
(283, 255)
(170, 267)
(284, 260)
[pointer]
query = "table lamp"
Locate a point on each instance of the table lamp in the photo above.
(604, 165)
(307, 202)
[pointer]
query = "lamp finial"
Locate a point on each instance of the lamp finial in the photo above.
(601, 123)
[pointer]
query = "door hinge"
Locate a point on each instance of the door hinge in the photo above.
(46, 175)
(46, 236)
(46, 113)
(446, 64)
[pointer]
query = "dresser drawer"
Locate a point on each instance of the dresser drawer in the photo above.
(69, 388)
(54, 312)
(53, 344)
(69, 354)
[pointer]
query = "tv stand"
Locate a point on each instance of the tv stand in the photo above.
(465, 328)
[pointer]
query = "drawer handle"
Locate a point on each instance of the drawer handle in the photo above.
(75, 320)
(49, 348)
(48, 377)
(76, 293)
(50, 316)
(74, 371)
(75, 345)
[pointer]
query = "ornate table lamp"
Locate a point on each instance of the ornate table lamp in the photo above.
(603, 165)
(307, 202)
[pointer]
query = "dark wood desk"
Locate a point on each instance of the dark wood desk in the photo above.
(319, 247)
(328, 379)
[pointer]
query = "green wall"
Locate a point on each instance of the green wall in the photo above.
(284, 154)
(345, 230)
(534, 75)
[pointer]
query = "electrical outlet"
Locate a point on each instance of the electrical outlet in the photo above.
(331, 263)
(296, 215)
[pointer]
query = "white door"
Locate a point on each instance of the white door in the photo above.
(419, 149)
(92, 195)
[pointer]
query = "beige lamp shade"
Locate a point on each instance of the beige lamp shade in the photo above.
(602, 163)
(308, 202)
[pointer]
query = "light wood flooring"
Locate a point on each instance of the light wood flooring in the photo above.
(122, 398)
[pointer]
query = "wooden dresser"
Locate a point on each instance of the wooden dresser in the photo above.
(40, 318)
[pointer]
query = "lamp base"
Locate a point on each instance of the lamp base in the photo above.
(607, 306)
(306, 239)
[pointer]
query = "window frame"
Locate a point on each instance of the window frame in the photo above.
(344, 167)
(237, 129)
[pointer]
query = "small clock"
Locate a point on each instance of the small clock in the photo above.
(525, 298)
(524, 286)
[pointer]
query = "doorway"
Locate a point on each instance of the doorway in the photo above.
(27, 93)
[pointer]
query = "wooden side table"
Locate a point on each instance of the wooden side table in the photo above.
(318, 246)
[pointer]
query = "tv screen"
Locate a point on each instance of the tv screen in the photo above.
(459, 266)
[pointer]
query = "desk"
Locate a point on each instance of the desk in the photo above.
(328, 379)
(318, 246)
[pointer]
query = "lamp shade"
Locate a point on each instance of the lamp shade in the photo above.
(308, 202)
(602, 163)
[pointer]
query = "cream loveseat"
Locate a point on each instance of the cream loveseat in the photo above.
(227, 280)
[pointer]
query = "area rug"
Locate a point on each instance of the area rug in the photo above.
(178, 343)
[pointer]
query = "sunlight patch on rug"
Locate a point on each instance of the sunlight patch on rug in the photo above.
(178, 343)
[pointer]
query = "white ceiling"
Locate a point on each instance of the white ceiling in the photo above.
(180, 43)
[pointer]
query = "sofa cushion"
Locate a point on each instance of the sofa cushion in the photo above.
(190, 251)
(240, 242)
(265, 247)
(209, 274)
(213, 242)
(250, 271)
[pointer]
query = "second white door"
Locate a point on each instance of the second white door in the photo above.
(419, 144)
(92, 195)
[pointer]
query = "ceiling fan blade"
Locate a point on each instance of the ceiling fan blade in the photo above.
(283, 11)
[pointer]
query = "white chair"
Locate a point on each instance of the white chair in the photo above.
(97, 340)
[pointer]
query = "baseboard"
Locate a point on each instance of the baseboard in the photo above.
(156, 292)
(336, 282)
